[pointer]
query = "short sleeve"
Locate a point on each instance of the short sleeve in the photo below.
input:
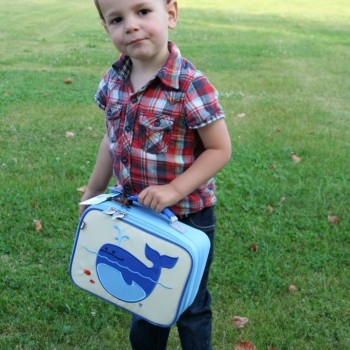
(202, 104)
(102, 92)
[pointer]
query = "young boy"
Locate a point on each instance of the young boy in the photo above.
(166, 138)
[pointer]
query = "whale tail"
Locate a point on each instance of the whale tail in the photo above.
(159, 261)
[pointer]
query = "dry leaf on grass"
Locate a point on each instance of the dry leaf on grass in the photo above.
(292, 289)
(333, 219)
(295, 158)
(253, 247)
(38, 226)
(270, 208)
(244, 345)
(68, 81)
(283, 199)
(82, 189)
(241, 115)
(239, 322)
(69, 134)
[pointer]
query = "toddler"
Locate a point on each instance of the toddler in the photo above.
(165, 140)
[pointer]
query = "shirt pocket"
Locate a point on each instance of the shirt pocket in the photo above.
(113, 117)
(155, 132)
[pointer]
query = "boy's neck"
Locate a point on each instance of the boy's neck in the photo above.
(142, 72)
(140, 77)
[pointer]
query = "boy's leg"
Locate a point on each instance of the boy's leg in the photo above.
(194, 325)
(146, 336)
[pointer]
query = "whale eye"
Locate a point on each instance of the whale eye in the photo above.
(113, 252)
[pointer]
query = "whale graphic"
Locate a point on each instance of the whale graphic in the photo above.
(125, 277)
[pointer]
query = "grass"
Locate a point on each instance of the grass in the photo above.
(282, 71)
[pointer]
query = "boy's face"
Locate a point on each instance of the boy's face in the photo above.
(139, 28)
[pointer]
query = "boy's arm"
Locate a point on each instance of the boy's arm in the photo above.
(101, 174)
(217, 143)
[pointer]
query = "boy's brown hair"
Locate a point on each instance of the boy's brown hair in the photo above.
(100, 12)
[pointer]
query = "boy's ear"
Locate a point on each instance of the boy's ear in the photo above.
(172, 14)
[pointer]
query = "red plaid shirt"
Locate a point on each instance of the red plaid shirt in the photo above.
(153, 132)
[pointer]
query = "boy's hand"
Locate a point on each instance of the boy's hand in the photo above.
(159, 197)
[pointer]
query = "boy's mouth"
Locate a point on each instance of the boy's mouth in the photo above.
(135, 41)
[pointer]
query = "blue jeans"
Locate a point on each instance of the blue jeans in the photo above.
(194, 325)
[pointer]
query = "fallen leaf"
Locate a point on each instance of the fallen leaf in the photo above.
(270, 208)
(254, 247)
(7, 93)
(273, 166)
(244, 345)
(292, 288)
(277, 130)
(295, 158)
(283, 199)
(38, 226)
(333, 219)
(241, 115)
(69, 134)
(239, 322)
(82, 189)
(68, 81)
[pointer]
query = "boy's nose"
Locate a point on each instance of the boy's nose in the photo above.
(131, 24)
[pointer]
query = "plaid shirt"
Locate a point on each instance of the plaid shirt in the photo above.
(153, 132)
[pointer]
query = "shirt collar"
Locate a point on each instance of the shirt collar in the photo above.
(122, 67)
(169, 74)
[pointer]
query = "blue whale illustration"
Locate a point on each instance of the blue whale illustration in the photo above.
(125, 277)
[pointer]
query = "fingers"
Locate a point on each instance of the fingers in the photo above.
(159, 197)
(150, 197)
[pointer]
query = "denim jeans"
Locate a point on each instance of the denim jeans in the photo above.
(194, 325)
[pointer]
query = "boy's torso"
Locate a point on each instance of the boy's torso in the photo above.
(153, 136)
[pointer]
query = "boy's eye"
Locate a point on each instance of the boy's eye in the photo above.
(144, 12)
(116, 20)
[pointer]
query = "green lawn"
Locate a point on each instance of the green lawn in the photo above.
(282, 69)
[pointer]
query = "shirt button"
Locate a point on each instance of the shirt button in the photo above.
(127, 128)
(124, 160)
(157, 123)
(134, 99)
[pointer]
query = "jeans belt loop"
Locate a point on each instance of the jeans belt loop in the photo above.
(183, 216)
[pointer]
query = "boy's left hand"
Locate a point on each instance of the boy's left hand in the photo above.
(159, 197)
